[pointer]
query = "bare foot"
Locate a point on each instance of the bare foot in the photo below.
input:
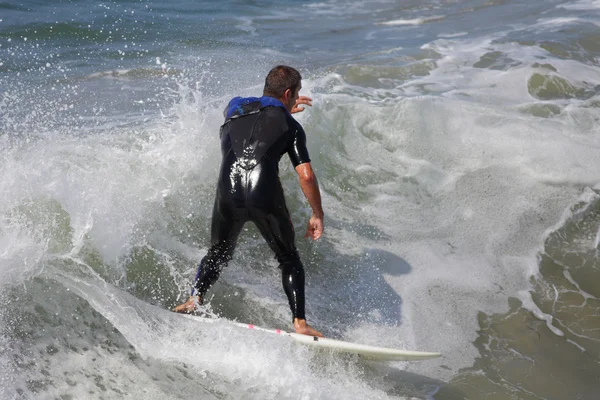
(189, 306)
(305, 329)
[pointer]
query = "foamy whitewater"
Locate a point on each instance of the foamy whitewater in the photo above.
(457, 146)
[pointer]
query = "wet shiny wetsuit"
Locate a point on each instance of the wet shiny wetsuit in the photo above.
(257, 132)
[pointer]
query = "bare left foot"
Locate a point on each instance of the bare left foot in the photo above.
(303, 328)
(189, 306)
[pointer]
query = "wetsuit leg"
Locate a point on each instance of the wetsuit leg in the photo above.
(225, 229)
(278, 231)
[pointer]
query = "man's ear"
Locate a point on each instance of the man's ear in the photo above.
(287, 94)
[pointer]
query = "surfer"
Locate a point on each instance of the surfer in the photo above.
(257, 132)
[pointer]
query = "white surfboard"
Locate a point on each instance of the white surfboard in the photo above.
(367, 351)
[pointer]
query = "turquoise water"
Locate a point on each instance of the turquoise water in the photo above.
(457, 149)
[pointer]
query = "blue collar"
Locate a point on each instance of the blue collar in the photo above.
(240, 106)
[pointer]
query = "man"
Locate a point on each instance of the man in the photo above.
(257, 132)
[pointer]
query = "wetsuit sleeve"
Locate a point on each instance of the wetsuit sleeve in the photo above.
(298, 152)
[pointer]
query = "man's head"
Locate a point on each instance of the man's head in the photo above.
(283, 83)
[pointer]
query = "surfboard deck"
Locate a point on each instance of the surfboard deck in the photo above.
(366, 351)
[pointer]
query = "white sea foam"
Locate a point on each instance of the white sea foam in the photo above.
(581, 5)
(560, 22)
(221, 349)
(113, 73)
(530, 305)
(470, 178)
(452, 35)
(414, 21)
(247, 24)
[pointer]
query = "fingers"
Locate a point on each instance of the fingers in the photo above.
(314, 230)
(308, 233)
(301, 100)
(316, 234)
(304, 100)
(310, 230)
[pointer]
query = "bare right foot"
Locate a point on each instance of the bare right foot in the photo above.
(303, 328)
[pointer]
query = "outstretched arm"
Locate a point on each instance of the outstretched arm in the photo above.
(310, 188)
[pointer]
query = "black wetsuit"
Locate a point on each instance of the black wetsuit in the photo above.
(257, 132)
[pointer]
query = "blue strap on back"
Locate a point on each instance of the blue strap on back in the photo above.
(240, 106)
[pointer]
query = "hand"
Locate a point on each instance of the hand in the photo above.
(314, 230)
(301, 100)
(189, 306)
